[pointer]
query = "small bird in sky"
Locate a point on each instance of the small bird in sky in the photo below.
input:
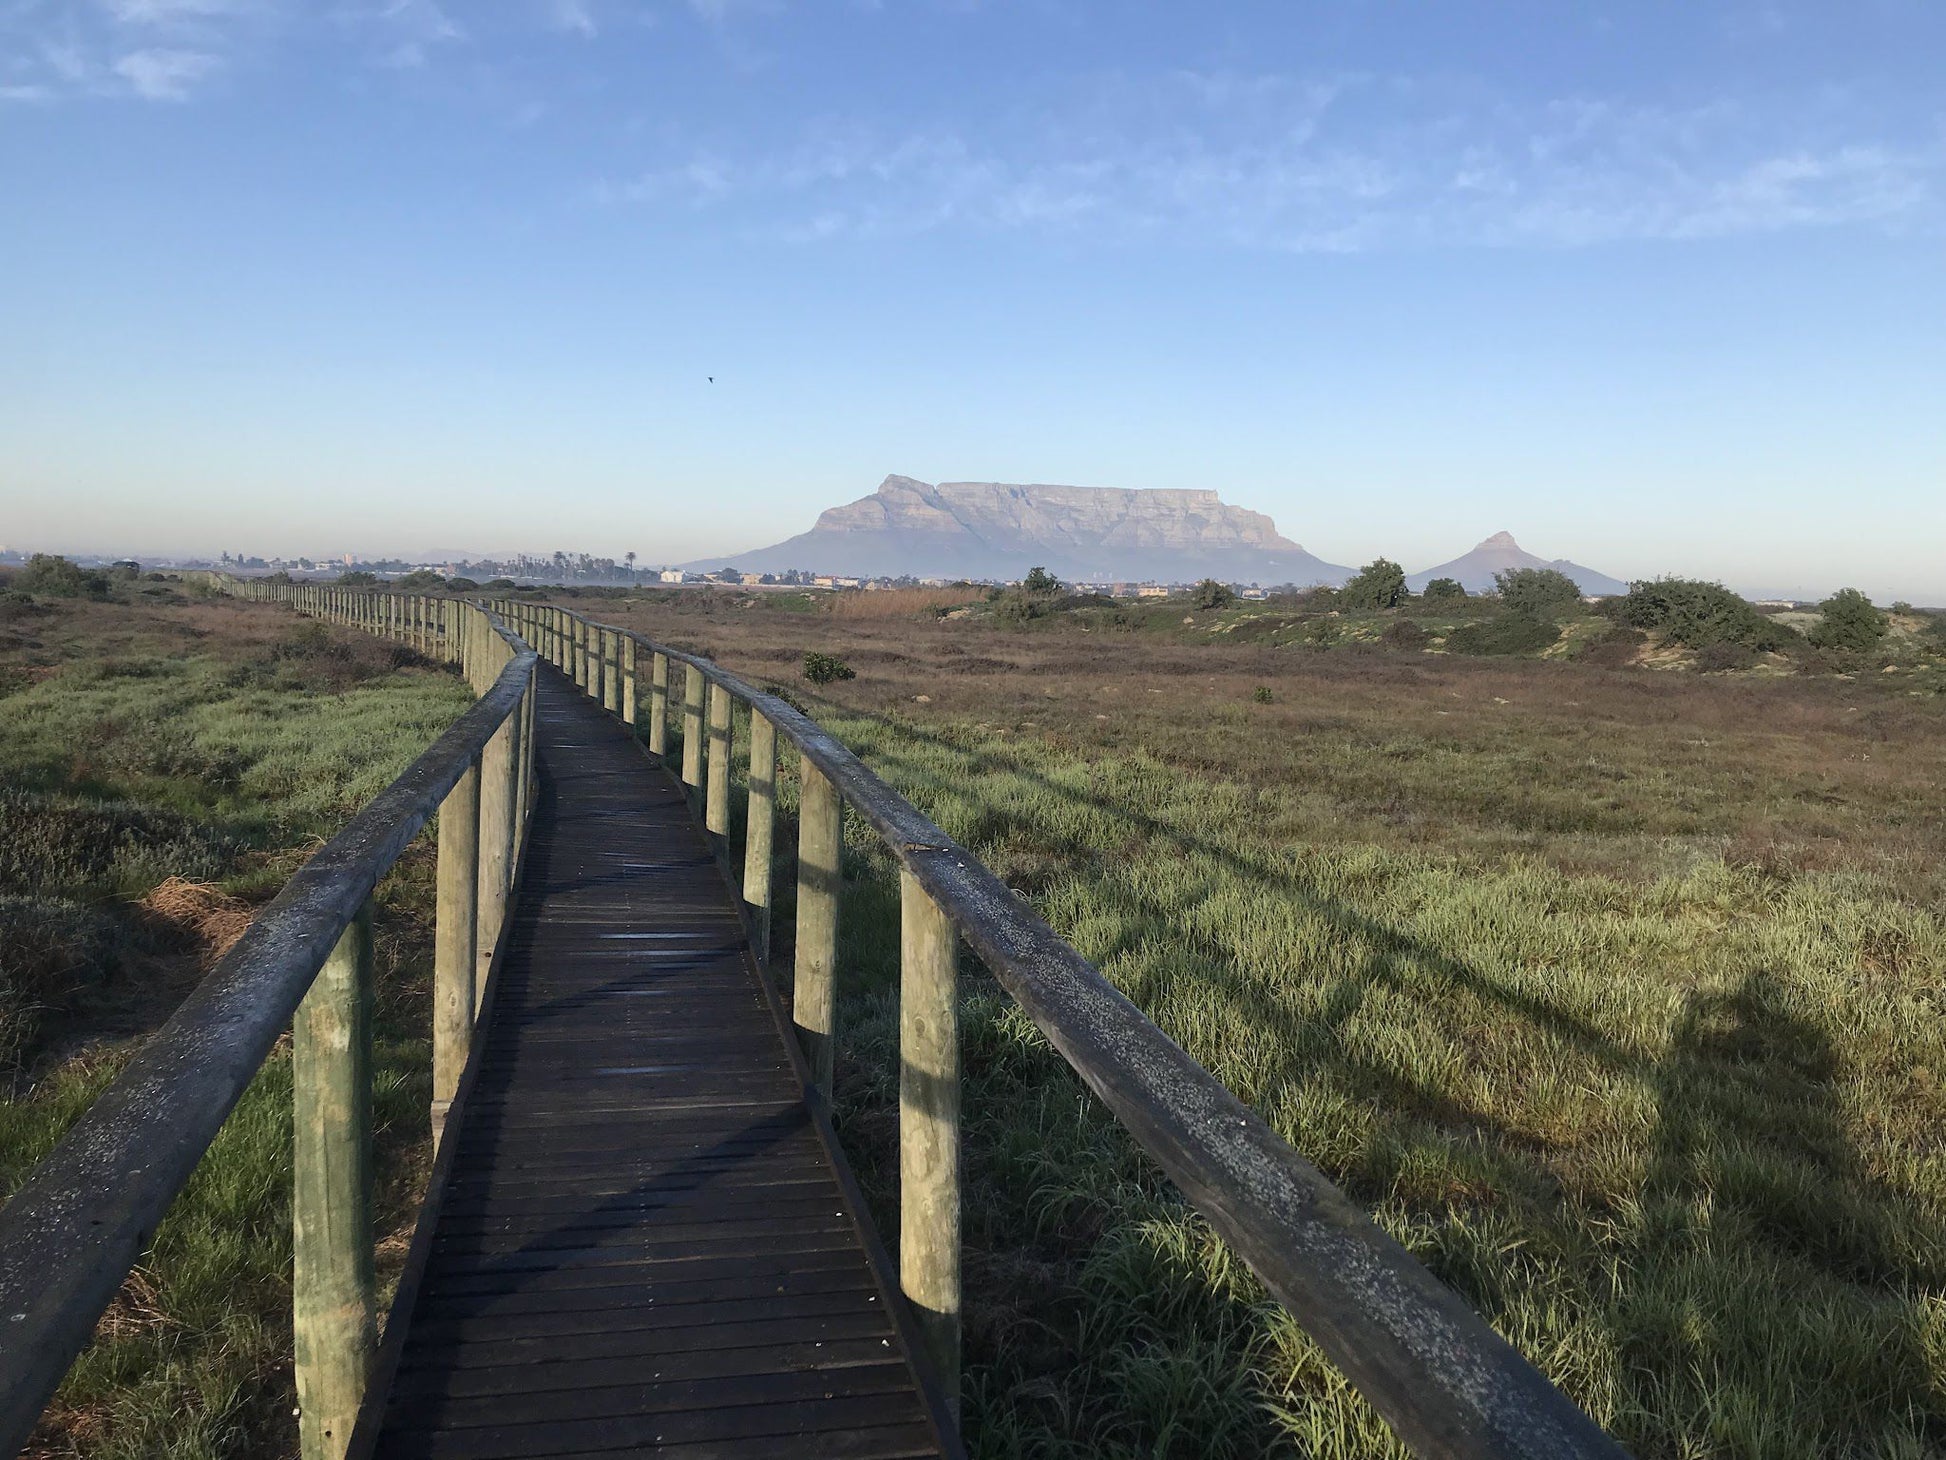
(710, 378)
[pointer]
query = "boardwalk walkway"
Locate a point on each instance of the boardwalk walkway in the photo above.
(643, 1245)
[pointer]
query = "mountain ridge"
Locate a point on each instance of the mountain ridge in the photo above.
(1499, 553)
(1001, 529)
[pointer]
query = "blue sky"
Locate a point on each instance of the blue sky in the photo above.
(1657, 286)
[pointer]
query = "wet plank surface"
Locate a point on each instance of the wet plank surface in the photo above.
(643, 1246)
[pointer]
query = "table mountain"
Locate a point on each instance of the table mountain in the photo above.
(1083, 534)
(1498, 554)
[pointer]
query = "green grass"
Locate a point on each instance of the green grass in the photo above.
(1678, 1140)
(222, 743)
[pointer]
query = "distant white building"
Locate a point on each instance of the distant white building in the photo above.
(672, 575)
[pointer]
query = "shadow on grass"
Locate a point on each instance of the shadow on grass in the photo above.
(1763, 1292)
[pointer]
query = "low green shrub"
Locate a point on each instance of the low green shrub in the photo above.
(1539, 592)
(1261, 694)
(1212, 594)
(1724, 656)
(1379, 584)
(1850, 623)
(1510, 633)
(1444, 588)
(1695, 614)
(822, 668)
(55, 577)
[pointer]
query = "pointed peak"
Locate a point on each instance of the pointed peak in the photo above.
(1500, 540)
(897, 483)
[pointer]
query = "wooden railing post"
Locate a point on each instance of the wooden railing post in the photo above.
(658, 704)
(759, 818)
(629, 702)
(692, 730)
(820, 848)
(611, 679)
(716, 807)
(333, 1294)
(496, 847)
(455, 929)
(929, 1123)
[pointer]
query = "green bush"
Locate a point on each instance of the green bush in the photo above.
(1212, 594)
(1850, 624)
(56, 577)
(826, 668)
(1039, 580)
(357, 578)
(1261, 694)
(1444, 588)
(1379, 584)
(1696, 614)
(1509, 633)
(1537, 592)
(420, 580)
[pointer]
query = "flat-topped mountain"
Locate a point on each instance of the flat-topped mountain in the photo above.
(999, 530)
(1500, 553)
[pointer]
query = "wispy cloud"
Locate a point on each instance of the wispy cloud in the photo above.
(1323, 164)
(164, 75)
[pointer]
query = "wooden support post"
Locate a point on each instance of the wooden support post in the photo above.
(658, 704)
(524, 721)
(692, 731)
(581, 655)
(759, 819)
(629, 706)
(929, 1121)
(820, 848)
(455, 929)
(333, 1294)
(716, 813)
(496, 845)
(611, 681)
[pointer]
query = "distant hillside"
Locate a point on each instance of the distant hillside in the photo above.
(1498, 554)
(1085, 534)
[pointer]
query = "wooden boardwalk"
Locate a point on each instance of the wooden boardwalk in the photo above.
(644, 1243)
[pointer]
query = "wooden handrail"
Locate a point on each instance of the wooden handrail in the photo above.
(1448, 1385)
(86, 1212)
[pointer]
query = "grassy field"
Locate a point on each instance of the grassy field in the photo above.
(1616, 995)
(168, 761)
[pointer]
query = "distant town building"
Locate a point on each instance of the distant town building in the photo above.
(1152, 590)
(672, 575)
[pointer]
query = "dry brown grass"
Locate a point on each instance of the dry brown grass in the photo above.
(896, 603)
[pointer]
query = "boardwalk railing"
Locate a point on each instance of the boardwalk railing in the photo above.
(85, 1214)
(1442, 1378)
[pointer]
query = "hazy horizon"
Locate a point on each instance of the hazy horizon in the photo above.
(1656, 290)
